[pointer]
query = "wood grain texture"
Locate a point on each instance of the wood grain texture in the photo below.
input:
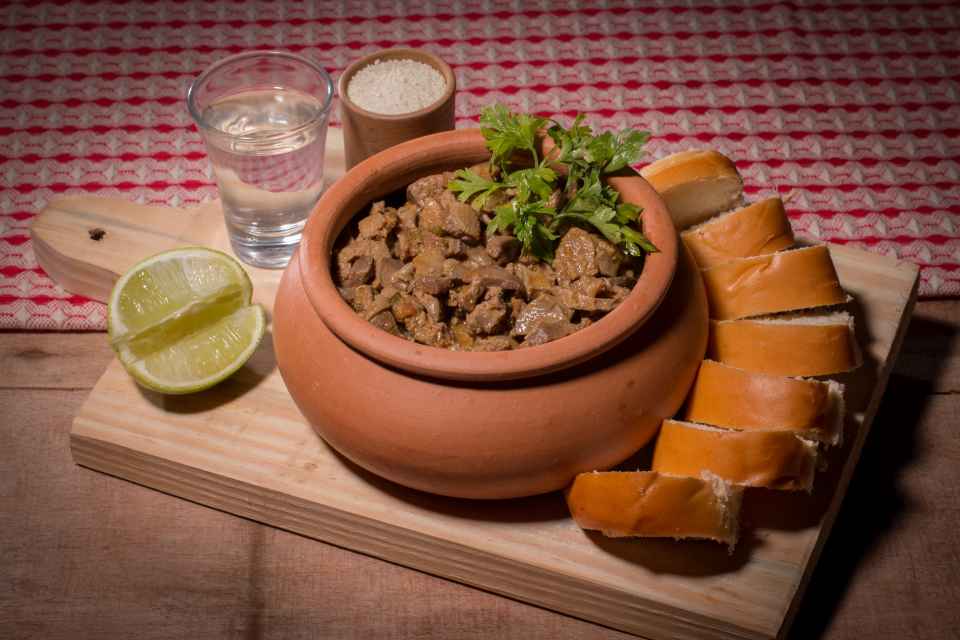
(242, 447)
(31, 361)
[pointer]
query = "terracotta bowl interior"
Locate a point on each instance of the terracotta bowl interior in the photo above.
(393, 169)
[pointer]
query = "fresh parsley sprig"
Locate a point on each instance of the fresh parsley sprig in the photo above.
(508, 132)
(587, 200)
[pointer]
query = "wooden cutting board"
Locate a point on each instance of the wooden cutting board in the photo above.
(244, 448)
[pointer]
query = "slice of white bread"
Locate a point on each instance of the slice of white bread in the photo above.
(655, 505)
(807, 344)
(756, 229)
(724, 396)
(772, 459)
(793, 280)
(695, 184)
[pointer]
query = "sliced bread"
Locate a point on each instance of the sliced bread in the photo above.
(808, 344)
(772, 459)
(655, 505)
(695, 184)
(756, 229)
(725, 396)
(792, 280)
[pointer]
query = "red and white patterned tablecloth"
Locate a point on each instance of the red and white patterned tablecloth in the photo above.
(851, 107)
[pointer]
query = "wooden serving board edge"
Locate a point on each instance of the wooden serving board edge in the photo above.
(474, 567)
(850, 464)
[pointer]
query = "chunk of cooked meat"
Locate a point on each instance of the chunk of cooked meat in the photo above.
(433, 285)
(546, 332)
(430, 304)
(503, 249)
(379, 223)
(478, 257)
(407, 216)
(576, 255)
(582, 302)
(428, 263)
(609, 258)
(591, 286)
(460, 220)
(358, 247)
(382, 302)
(488, 317)
(425, 331)
(408, 244)
(535, 278)
(386, 268)
(385, 320)
(463, 338)
(491, 276)
(359, 297)
(556, 200)
(447, 247)
(428, 188)
(359, 271)
(405, 306)
(403, 278)
(494, 343)
(466, 296)
(545, 308)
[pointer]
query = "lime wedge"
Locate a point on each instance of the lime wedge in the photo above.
(181, 321)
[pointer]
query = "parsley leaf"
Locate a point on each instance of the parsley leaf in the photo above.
(537, 181)
(627, 149)
(467, 184)
(526, 221)
(508, 132)
(570, 140)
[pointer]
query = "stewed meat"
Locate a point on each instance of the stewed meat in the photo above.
(428, 272)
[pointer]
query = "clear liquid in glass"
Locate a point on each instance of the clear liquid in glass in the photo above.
(267, 152)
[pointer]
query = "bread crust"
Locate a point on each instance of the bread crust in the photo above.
(695, 184)
(783, 348)
(728, 397)
(772, 459)
(787, 281)
(650, 504)
(759, 228)
(686, 166)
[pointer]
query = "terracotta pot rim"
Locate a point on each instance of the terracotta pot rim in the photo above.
(329, 218)
(419, 55)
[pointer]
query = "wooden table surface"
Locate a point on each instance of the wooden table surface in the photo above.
(84, 555)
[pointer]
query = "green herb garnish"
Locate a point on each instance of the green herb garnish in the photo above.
(508, 133)
(532, 215)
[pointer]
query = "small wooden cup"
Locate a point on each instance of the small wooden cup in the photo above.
(366, 133)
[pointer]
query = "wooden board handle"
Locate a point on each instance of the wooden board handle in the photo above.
(85, 242)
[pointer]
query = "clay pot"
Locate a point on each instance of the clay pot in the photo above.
(484, 425)
(366, 132)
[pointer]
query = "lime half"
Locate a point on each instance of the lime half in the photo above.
(182, 321)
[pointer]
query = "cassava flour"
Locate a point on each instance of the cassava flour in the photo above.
(392, 87)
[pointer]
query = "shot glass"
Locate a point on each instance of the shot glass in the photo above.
(263, 116)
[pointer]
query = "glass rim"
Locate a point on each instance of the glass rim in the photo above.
(268, 53)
